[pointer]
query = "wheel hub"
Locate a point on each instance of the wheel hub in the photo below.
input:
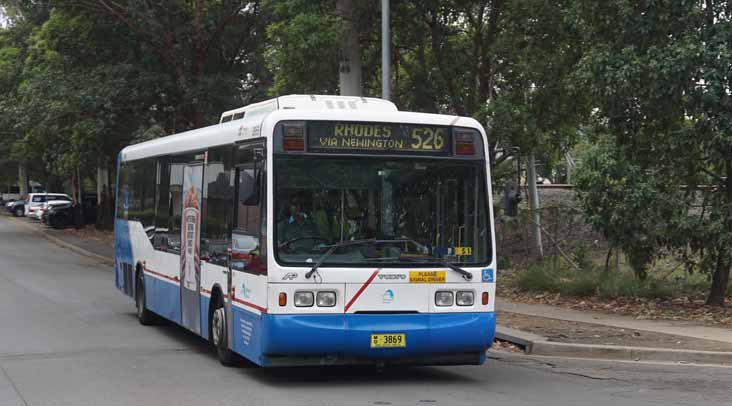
(139, 301)
(218, 325)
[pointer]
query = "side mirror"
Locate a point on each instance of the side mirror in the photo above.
(249, 186)
(512, 198)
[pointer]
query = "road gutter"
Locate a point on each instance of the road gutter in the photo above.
(71, 247)
(533, 344)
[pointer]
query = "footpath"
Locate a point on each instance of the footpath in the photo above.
(556, 331)
(544, 330)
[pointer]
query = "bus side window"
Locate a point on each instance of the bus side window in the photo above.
(159, 236)
(177, 166)
(218, 195)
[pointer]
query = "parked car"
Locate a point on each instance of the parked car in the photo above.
(10, 193)
(69, 214)
(38, 214)
(59, 216)
(16, 207)
(36, 200)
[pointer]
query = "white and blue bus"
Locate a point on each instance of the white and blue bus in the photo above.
(315, 230)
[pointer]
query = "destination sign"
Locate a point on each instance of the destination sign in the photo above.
(330, 136)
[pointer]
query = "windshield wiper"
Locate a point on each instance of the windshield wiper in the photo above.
(333, 249)
(466, 275)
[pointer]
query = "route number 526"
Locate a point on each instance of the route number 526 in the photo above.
(429, 139)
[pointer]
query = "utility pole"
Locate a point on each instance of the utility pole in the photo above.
(385, 52)
(350, 51)
(534, 203)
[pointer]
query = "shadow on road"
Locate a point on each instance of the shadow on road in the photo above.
(327, 375)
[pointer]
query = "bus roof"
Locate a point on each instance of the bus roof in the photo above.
(252, 125)
(309, 102)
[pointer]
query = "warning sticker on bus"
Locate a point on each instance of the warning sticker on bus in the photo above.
(427, 276)
(461, 251)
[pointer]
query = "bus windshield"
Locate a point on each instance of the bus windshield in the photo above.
(414, 210)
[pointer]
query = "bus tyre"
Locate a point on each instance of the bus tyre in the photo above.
(145, 316)
(219, 337)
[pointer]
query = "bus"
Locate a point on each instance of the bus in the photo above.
(314, 230)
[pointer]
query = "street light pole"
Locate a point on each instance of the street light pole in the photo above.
(385, 52)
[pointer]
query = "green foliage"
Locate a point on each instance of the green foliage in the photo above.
(658, 74)
(544, 277)
(504, 262)
(304, 50)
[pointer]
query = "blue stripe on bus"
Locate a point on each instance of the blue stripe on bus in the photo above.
(122, 250)
(248, 333)
(204, 316)
(350, 335)
(163, 298)
(257, 336)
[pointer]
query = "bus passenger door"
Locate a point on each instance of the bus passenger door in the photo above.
(190, 251)
(248, 268)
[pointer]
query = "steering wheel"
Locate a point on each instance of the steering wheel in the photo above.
(286, 246)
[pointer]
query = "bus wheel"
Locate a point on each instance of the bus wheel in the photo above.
(219, 336)
(145, 316)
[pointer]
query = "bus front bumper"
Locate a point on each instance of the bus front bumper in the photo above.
(433, 338)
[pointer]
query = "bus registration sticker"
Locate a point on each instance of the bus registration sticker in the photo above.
(427, 276)
(398, 340)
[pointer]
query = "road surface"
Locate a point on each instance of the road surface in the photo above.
(67, 337)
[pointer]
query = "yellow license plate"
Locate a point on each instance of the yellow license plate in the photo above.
(388, 340)
(426, 276)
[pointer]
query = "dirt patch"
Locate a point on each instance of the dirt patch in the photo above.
(504, 346)
(682, 308)
(587, 333)
(90, 233)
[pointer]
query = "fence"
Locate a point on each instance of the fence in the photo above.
(564, 232)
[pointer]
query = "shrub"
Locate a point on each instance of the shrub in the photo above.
(543, 276)
(538, 278)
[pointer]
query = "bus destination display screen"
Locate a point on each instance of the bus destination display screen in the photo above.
(360, 137)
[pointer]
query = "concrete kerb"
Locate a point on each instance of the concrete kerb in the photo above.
(64, 244)
(537, 345)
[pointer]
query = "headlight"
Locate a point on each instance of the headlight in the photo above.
(443, 298)
(326, 299)
(303, 299)
(465, 298)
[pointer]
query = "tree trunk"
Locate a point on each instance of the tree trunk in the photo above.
(350, 52)
(720, 280)
(105, 203)
(23, 180)
(534, 204)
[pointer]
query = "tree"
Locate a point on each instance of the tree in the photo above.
(658, 74)
(304, 43)
(204, 45)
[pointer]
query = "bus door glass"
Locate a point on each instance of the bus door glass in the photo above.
(248, 239)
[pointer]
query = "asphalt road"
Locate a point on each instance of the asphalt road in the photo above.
(67, 337)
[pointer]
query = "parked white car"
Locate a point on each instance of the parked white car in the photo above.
(38, 214)
(35, 202)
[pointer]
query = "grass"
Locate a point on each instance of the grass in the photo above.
(555, 276)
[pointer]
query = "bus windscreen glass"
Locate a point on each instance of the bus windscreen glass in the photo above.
(415, 210)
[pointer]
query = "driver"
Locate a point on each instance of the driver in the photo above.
(298, 224)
